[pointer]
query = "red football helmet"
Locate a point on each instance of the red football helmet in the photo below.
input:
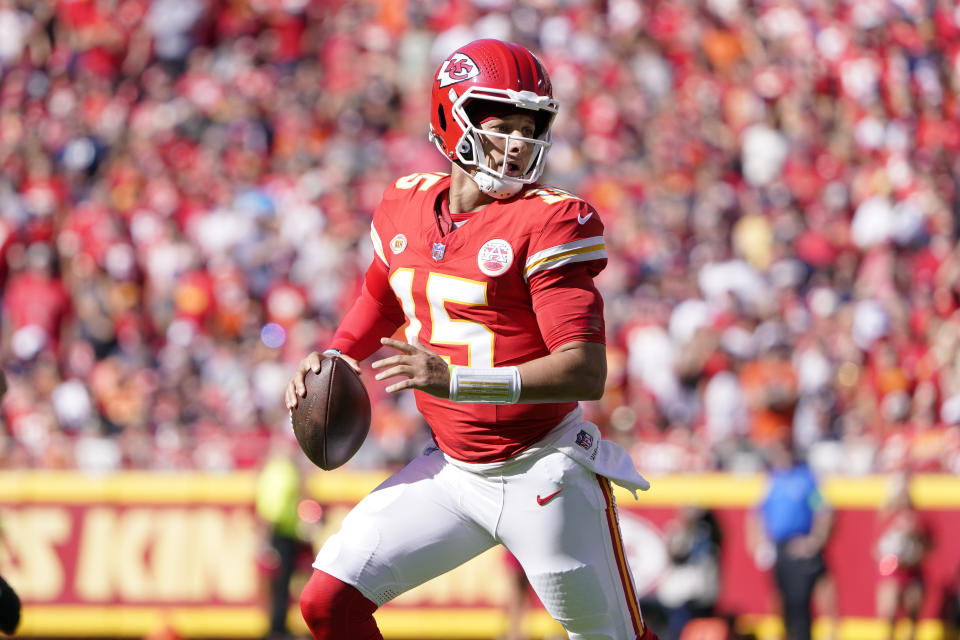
(512, 79)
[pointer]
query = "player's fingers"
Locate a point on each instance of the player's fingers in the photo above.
(312, 362)
(388, 361)
(400, 386)
(352, 362)
(299, 387)
(303, 366)
(398, 345)
(399, 370)
(290, 397)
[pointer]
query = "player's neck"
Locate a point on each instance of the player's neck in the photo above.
(465, 196)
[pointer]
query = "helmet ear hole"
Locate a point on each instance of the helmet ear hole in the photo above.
(543, 121)
(441, 116)
(465, 149)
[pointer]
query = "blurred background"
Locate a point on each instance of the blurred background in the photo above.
(186, 188)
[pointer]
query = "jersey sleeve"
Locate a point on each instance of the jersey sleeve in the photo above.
(564, 256)
(568, 306)
(572, 234)
(376, 313)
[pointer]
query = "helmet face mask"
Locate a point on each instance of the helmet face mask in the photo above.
(502, 142)
(505, 77)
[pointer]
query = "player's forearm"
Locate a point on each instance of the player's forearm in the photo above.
(574, 371)
(374, 315)
(362, 328)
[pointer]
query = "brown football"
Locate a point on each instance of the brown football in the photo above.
(332, 421)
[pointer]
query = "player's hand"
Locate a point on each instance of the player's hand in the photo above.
(424, 370)
(296, 388)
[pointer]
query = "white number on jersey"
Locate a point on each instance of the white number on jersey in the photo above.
(423, 180)
(550, 195)
(442, 288)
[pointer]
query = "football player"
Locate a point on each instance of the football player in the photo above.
(491, 274)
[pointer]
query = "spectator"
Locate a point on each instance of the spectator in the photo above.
(277, 499)
(770, 384)
(794, 518)
(902, 543)
(35, 306)
(691, 583)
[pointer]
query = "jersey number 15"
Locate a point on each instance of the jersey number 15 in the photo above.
(444, 330)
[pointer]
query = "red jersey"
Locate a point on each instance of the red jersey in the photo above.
(510, 285)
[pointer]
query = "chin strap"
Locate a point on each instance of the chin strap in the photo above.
(496, 187)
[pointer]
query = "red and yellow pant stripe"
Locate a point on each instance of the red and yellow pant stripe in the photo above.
(620, 556)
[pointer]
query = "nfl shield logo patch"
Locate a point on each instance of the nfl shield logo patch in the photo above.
(438, 249)
(584, 439)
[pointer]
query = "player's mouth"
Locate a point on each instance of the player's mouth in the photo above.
(513, 169)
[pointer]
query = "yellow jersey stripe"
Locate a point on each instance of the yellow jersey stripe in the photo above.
(563, 248)
(595, 252)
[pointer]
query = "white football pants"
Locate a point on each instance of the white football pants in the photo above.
(553, 513)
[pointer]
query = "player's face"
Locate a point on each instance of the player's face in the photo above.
(515, 152)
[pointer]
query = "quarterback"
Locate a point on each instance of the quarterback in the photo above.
(490, 274)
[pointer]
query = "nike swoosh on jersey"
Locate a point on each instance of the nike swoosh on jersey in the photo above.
(583, 219)
(543, 501)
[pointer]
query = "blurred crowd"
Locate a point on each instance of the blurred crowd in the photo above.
(186, 188)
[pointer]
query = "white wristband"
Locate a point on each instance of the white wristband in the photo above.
(499, 385)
